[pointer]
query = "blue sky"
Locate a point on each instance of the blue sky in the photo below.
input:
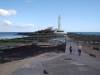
(32, 15)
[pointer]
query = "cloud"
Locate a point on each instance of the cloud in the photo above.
(5, 12)
(7, 23)
(8, 26)
(25, 26)
(30, 25)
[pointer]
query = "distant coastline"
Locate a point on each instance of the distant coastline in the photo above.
(86, 33)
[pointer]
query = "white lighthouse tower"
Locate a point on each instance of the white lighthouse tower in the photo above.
(59, 25)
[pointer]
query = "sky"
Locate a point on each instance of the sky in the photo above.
(33, 15)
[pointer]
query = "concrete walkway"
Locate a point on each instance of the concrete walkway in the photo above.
(84, 58)
(61, 64)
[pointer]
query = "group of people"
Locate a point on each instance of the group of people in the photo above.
(78, 50)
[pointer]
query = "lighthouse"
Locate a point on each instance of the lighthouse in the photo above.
(59, 25)
(59, 22)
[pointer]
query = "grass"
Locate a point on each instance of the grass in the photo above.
(15, 41)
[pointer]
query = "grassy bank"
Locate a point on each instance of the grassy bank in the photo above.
(16, 41)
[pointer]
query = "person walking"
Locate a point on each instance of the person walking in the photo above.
(70, 49)
(79, 50)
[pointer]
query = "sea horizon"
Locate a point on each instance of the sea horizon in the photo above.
(11, 35)
(87, 33)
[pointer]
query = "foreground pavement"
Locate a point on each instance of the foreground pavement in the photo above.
(55, 64)
(61, 64)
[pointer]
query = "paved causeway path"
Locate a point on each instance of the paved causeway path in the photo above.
(54, 64)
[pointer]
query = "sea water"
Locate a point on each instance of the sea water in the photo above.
(88, 33)
(10, 35)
